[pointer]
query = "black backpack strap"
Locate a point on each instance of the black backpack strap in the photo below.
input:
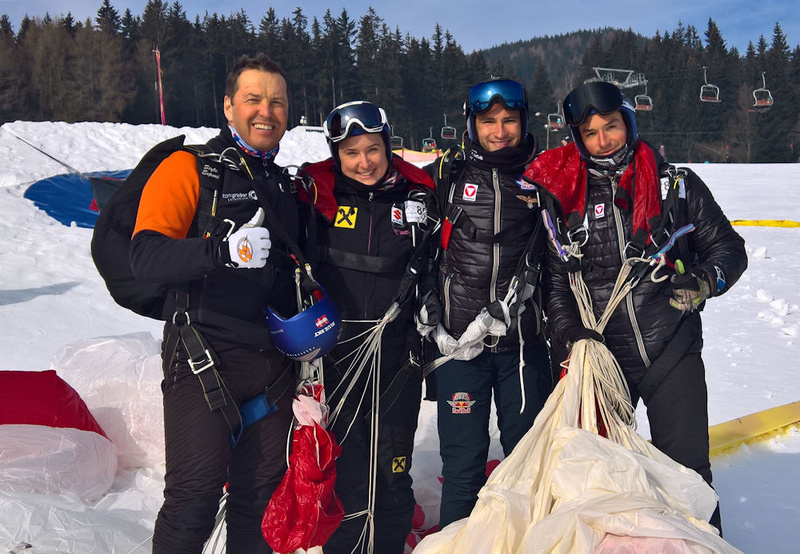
(452, 166)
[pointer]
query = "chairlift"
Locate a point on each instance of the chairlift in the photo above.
(642, 102)
(429, 143)
(762, 97)
(555, 122)
(396, 142)
(708, 92)
(448, 132)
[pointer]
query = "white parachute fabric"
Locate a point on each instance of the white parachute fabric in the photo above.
(71, 490)
(565, 488)
(56, 460)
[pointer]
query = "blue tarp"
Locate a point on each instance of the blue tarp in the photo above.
(68, 197)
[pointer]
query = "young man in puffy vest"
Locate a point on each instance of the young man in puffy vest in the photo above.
(491, 215)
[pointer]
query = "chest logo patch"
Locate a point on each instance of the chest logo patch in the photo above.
(346, 217)
(470, 192)
(599, 211)
(397, 216)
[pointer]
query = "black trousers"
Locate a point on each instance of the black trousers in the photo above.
(397, 423)
(465, 390)
(678, 416)
(200, 458)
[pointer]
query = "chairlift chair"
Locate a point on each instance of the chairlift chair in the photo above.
(448, 131)
(762, 97)
(642, 102)
(555, 121)
(429, 143)
(708, 92)
(395, 141)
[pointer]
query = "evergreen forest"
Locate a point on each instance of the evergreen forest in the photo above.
(54, 68)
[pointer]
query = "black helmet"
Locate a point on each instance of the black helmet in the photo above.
(485, 94)
(598, 97)
(356, 118)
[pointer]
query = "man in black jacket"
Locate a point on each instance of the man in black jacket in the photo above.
(490, 226)
(621, 201)
(228, 281)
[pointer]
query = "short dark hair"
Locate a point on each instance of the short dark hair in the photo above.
(260, 61)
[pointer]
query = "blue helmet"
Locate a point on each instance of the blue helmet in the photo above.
(603, 98)
(356, 118)
(310, 334)
(485, 94)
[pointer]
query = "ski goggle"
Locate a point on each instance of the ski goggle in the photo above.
(483, 95)
(341, 120)
(595, 97)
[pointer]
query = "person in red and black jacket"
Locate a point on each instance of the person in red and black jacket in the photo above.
(373, 220)
(620, 200)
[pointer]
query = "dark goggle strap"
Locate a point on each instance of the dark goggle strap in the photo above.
(599, 97)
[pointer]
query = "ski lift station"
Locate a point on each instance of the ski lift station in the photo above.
(624, 79)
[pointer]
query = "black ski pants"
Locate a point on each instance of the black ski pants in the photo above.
(464, 391)
(678, 414)
(353, 429)
(200, 458)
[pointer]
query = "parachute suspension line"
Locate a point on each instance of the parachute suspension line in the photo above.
(367, 357)
(369, 524)
(216, 542)
(359, 362)
(603, 388)
(135, 548)
(521, 360)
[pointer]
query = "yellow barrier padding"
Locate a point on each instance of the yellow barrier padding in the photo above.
(740, 430)
(765, 222)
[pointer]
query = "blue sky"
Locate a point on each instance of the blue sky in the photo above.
(475, 25)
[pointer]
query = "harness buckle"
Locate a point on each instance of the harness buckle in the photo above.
(572, 233)
(635, 251)
(202, 365)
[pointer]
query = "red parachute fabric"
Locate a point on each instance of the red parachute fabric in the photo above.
(304, 510)
(43, 398)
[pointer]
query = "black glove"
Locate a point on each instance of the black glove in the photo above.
(689, 291)
(575, 333)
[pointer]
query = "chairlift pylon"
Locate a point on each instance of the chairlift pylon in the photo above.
(762, 98)
(708, 92)
(448, 132)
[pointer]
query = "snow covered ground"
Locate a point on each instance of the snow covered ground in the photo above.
(55, 312)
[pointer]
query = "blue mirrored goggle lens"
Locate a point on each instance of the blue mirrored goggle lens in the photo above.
(600, 97)
(509, 93)
(341, 120)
